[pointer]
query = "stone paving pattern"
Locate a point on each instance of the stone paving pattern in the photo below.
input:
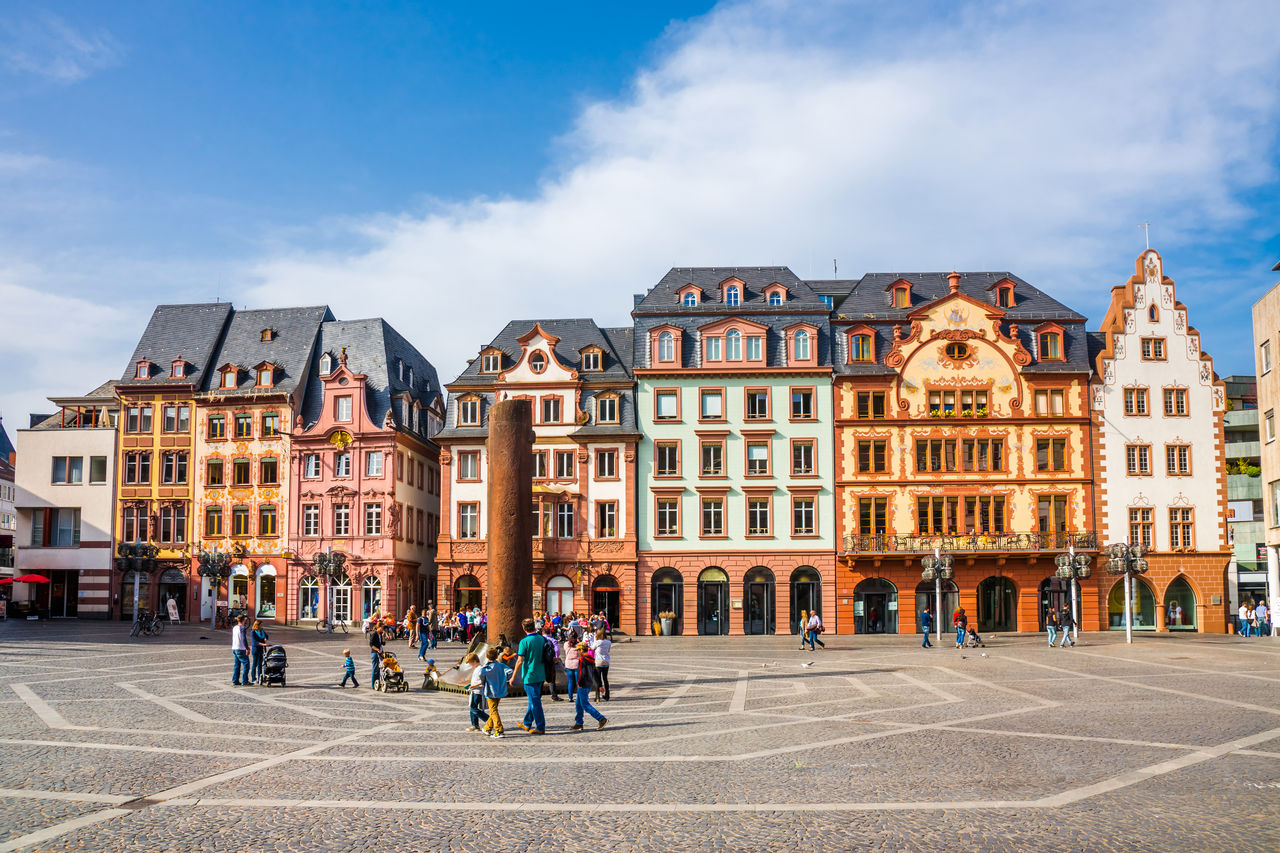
(719, 744)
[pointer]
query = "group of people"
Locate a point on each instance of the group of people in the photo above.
(248, 648)
(810, 627)
(1058, 624)
(1253, 619)
(959, 621)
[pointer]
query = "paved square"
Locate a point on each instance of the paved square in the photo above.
(716, 744)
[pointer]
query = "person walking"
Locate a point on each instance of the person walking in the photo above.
(803, 627)
(587, 679)
(571, 667)
(550, 639)
(375, 652)
(601, 649)
(476, 693)
(1263, 617)
(926, 625)
(433, 624)
(493, 677)
(1051, 625)
(424, 635)
(960, 620)
(348, 669)
(815, 628)
(528, 665)
(257, 649)
(240, 652)
(1065, 623)
(1242, 620)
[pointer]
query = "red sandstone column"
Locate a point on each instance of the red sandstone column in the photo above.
(510, 568)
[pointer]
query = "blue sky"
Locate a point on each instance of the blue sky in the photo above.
(452, 166)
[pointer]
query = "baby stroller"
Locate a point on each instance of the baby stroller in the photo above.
(273, 667)
(391, 676)
(972, 640)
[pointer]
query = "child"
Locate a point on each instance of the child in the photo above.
(432, 675)
(493, 677)
(508, 657)
(348, 666)
(477, 692)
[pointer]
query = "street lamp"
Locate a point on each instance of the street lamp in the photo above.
(139, 558)
(1070, 567)
(216, 566)
(1127, 560)
(329, 565)
(937, 568)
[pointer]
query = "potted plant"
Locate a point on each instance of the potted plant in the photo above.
(667, 619)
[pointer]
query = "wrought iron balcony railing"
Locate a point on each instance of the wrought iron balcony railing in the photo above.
(959, 543)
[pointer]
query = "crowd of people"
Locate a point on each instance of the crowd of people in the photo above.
(1253, 619)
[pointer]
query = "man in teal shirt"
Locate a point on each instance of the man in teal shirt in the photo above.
(530, 655)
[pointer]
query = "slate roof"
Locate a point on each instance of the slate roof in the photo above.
(662, 298)
(375, 349)
(187, 331)
(6, 446)
(574, 335)
(290, 348)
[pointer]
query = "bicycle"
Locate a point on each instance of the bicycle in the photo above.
(326, 626)
(147, 625)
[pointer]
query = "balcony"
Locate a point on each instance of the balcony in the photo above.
(1247, 449)
(1242, 487)
(979, 542)
(1242, 418)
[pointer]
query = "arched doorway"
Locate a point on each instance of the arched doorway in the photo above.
(997, 605)
(173, 585)
(340, 590)
(265, 594)
(1180, 606)
(1143, 602)
(308, 598)
(606, 596)
(1055, 594)
(806, 594)
(713, 601)
(467, 592)
(126, 594)
(239, 589)
(667, 595)
(370, 596)
(926, 593)
(875, 607)
(559, 595)
(760, 599)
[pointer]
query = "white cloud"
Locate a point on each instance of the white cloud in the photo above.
(1021, 138)
(46, 46)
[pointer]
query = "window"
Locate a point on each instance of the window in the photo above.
(217, 427)
(902, 297)
(540, 465)
(1051, 513)
(213, 521)
(240, 521)
(957, 351)
(60, 528)
(775, 298)
(937, 515)
(469, 464)
(733, 345)
(942, 402)
(872, 516)
(1140, 526)
(666, 459)
(1050, 346)
(551, 410)
(267, 520)
(137, 468)
(666, 347)
(732, 297)
(606, 519)
(936, 454)
(469, 412)
(373, 519)
(268, 471)
(984, 514)
(870, 404)
(713, 516)
(326, 364)
(311, 520)
(565, 465)
(1135, 401)
(607, 410)
(1152, 349)
(1265, 352)
(1051, 454)
(1178, 459)
(690, 299)
(176, 418)
(564, 521)
(68, 469)
(860, 348)
(134, 528)
(802, 404)
(757, 404)
(490, 362)
(1175, 402)
(1004, 297)
(266, 375)
(755, 348)
(342, 520)
(802, 458)
(241, 474)
(213, 473)
(268, 335)
(713, 349)
(1050, 402)
(758, 517)
(666, 406)
(544, 520)
(606, 464)
(800, 345)
(143, 370)
(311, 466)
(982, 454)
(712, 453)
(802, 516)
(138, 419)
(1137, 459)
(243, 425)
(667, 517)
(373, 463)
(342, 464)
(173, 467)
(1153, 314)
(757, 458)
(342, 409)
(97, 469)
(1181, 529)
(230, 378)
(873, 456)
(711, 407)
(270, 424)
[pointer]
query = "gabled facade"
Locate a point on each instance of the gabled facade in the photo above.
(961, 426)
(1159, 412)
(577, 377)
(735, 505)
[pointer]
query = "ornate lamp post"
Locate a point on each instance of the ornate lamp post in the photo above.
(329, 565)
(937, 568)
(1073, 566)
(1127, 560)
(216, 566)
(139, 558)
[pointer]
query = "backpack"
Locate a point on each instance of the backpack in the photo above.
(548, 659)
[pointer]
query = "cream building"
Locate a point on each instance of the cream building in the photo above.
(1266, 339)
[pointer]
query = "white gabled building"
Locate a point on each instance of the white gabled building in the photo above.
(1158, 412)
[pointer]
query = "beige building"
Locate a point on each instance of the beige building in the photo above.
(1266, 338)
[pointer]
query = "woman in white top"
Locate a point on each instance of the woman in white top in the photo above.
(600, 646)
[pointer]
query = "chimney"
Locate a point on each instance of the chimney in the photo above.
(954, 279)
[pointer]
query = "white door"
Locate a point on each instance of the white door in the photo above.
(342, 603)
(206, 600)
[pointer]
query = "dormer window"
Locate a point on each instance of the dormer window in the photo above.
(266, 376)
(902, 296)
(776, 294)
(178, 370)
(1004, 296)
(268, 335)
(538, 362)
(143, 371)
(230, 377)
(775, 298)
(860, 349)
(666, 347)
(690, 299)
(491, 362)
(733, 296)
(733, 345)
(326, 364)
(801, 346)
(591, 361)
(689, 295)
(607, 409)
(755, 348)
(410, 379)
(1050, 346)
(713, 349)
(400, 368)
(469, 411)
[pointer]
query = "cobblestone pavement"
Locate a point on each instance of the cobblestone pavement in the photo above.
(720, 744)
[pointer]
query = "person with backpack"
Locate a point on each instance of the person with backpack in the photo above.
(529, 667)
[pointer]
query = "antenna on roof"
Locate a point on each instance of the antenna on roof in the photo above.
(1146, 229)
(835, 269)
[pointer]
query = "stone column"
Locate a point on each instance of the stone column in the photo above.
(508, 519)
